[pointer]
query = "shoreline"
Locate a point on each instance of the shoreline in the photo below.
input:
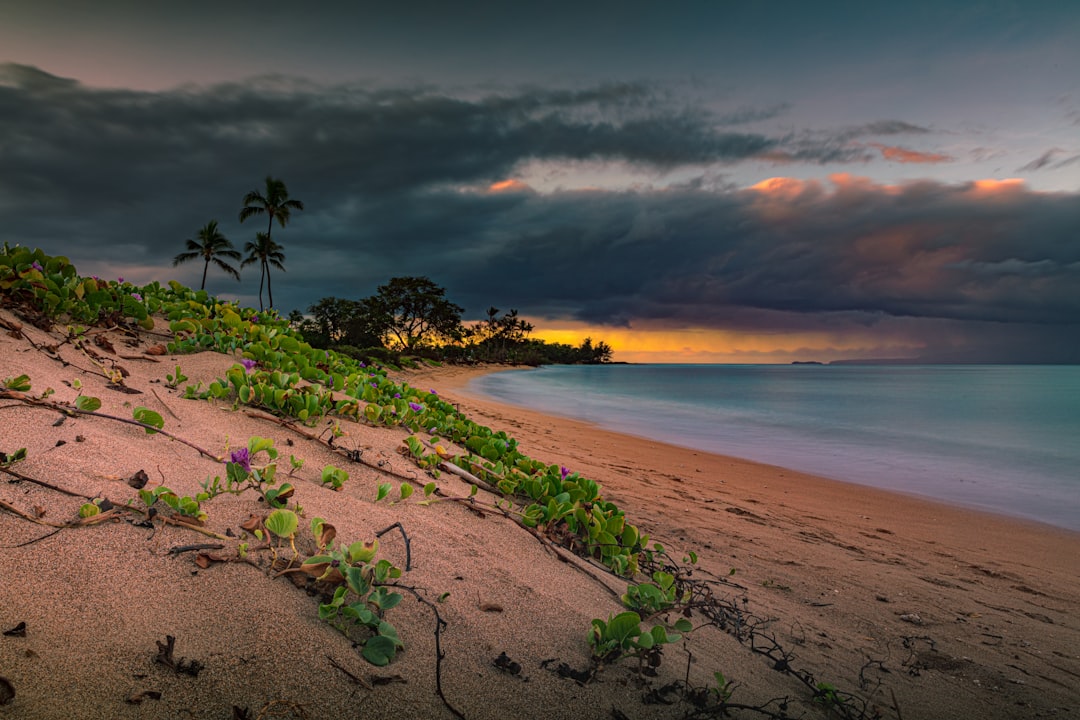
(856, 573)
(455, 379)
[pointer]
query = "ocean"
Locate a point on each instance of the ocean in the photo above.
(1002, 438)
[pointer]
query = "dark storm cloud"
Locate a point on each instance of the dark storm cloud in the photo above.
(974, 267)
(395, 183)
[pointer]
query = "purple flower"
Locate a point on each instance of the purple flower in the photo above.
(37, 266)
(397, 396)
(242, 458)
(362, 364)
(375, 385)
(415, 408)
(565, 471)
(137, 296)
(248, 364)
(119, 279)
(433, 392)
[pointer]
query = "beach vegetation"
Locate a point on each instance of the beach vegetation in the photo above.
(334, 477)
(362, 579)
(9, 459)
(623, 635)
(212, 247)
(301, 385)
(173, 380)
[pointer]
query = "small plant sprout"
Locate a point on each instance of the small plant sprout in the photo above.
(283, 524)
(9, 459)
(724, 687)
(173, 380)
(334, 477)
(18, 384)
(295, 464)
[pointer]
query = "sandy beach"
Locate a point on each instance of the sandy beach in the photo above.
(916, 609)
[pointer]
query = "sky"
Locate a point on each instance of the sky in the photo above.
(693, 181)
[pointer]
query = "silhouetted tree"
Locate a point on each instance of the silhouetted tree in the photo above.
(412, 312)
(275, 203)
(266, 252)
(211, 246)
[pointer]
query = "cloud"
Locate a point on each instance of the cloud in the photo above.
(413, 181)
(882, 127)
(903, 155)
(1047, 160)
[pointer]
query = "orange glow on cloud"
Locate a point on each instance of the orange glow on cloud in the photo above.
(896, 153)
(508, 186)
(996, 187)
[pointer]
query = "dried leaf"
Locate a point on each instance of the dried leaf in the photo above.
(138, 480)
(156, 350)
(17, 631)
(137, 698)
(103, 342)
(253, 523)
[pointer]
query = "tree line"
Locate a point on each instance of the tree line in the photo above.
(407, 316)
(411, 316)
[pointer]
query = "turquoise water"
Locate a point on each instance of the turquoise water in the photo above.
(1004, 438)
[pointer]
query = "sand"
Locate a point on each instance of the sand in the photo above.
(919, 609)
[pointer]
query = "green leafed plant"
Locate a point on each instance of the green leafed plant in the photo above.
(334, 477)
(149, 417)
(361, 579)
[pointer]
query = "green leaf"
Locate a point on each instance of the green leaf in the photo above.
(87, 404)
(282, 523)
(88, 510)
(354, 576)
(19, 384)
(148, 417)
(683, 625)
(624, 626)
(384, 490)
(379, 650)
(363, 552)
(406, 491)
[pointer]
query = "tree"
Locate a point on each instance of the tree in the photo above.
(266, 252)
(275, 203)
(412, 312)
(211, 246)
(498, 339)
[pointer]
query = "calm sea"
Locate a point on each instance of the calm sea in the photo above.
(1004, 438)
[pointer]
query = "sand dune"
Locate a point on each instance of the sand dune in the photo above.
(918, 609)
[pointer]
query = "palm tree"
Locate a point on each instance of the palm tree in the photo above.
(266, 252)
(212, 246)
(275, 202)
